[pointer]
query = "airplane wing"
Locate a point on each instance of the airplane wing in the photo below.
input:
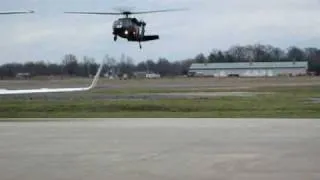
(54, 90)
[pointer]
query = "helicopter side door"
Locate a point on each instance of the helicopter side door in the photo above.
(134, 26)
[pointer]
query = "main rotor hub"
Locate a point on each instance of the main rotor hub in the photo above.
(127, 13)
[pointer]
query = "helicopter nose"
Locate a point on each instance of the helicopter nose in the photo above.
(117, 30)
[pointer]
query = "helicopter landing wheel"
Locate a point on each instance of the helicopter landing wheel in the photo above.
(115, 38)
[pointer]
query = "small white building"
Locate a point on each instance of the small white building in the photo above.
(247, 69)
(153, 76)
(23, 75)
(147, 75)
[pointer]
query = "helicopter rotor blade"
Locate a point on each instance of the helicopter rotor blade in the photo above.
(122, 9)
(16, 12)
(157, 11)
(122, 12)
(96, 13)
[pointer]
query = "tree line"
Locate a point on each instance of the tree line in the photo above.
(86, 66)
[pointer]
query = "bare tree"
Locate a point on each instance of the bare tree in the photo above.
(70, 63)
(111, 65)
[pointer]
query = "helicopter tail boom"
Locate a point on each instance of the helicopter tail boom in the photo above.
(145, 38)
(149, 38)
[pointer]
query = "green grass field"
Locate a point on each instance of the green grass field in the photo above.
(280, 102)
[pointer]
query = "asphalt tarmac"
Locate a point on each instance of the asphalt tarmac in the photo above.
(158, 149)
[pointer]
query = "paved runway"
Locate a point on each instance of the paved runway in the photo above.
(171, 149)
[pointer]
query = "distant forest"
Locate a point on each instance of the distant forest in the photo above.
(71, 65)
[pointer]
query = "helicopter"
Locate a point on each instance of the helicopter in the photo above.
(16, 12)
(129, 28)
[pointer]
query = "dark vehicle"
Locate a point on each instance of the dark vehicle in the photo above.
(129, 28)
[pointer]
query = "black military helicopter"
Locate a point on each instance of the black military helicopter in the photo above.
(16, 12)
(129, 28)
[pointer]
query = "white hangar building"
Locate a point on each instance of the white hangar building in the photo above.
(247, 69)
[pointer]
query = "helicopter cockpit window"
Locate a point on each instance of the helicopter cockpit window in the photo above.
(123, 23)
(117, 24)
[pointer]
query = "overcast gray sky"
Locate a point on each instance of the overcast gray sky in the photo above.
(209, 24)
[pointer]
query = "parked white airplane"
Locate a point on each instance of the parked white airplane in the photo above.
(54, 90)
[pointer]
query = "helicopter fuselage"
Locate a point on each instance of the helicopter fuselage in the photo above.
(132, 30)
(128, 28)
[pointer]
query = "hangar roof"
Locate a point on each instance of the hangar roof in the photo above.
(248, 65)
